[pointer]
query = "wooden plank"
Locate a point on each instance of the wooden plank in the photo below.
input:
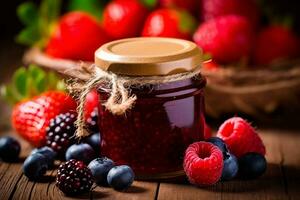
(11, 173)
(138, 191)
(290, 144)
(269, 186)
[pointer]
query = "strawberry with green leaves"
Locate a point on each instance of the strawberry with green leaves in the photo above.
(169, 22)
(125, 18)
(76, 35)
(37, 98)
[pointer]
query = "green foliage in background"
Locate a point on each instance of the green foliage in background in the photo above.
(94, 7)
(38, 21)
(29, 82)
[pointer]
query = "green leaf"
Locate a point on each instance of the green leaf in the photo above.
(187, 22)
(149, 3)
(28, 13)
(206, 56)
(38, 81)
(20, 82)
(94, 7)
(29, 36)
(50, 10)
(34, 70)
(29, 82)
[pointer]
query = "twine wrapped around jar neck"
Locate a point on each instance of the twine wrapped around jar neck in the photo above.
(120, 99)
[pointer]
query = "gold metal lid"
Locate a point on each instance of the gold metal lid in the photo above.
(148, 56)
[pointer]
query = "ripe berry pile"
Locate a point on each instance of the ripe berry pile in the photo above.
(237, 151)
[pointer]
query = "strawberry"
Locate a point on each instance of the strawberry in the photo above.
(215, 8)
(274, 43)
(30, 118)
(227, 38)
(76, 36)
(168, 22)
(35, 98)
(122, 19)
(188, 5)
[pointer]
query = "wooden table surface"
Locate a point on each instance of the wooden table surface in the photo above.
(281, 181)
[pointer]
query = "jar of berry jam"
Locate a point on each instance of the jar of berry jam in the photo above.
(167, 114)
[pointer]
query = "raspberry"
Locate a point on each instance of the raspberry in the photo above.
(203, 163)
(240, 137)
(74, 177)
(60, 132)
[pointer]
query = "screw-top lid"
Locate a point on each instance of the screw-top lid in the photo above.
(148, 56)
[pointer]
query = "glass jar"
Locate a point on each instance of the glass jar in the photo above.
(153, 135)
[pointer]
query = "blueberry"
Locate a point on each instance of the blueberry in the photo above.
(83, 152)
(252, 165)
(120, 177)
(35, 166)
(48, 153)
(100, 168)
(219, 143)
(9, 149)
(94, 140)
(230, 168)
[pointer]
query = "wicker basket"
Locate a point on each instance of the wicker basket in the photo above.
(257, 93)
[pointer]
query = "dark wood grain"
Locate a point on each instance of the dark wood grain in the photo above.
(290, 149)
(281, 180)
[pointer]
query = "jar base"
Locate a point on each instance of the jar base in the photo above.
(161, 176)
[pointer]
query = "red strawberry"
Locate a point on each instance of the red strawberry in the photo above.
(203, 163)
(240, 137)
(91, 110)
(31, 118)
(227, 38)
(188, 5)
(77, 36)
(215, 8)
(169, 22)
(122, 19)
(275, 42)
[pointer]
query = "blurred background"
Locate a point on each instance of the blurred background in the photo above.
(187, 19)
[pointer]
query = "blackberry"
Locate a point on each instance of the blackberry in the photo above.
(74, 177)
(60, 132)
(92, 121)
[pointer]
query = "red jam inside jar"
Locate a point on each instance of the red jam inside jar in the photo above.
(154, 134)
(166, 117)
